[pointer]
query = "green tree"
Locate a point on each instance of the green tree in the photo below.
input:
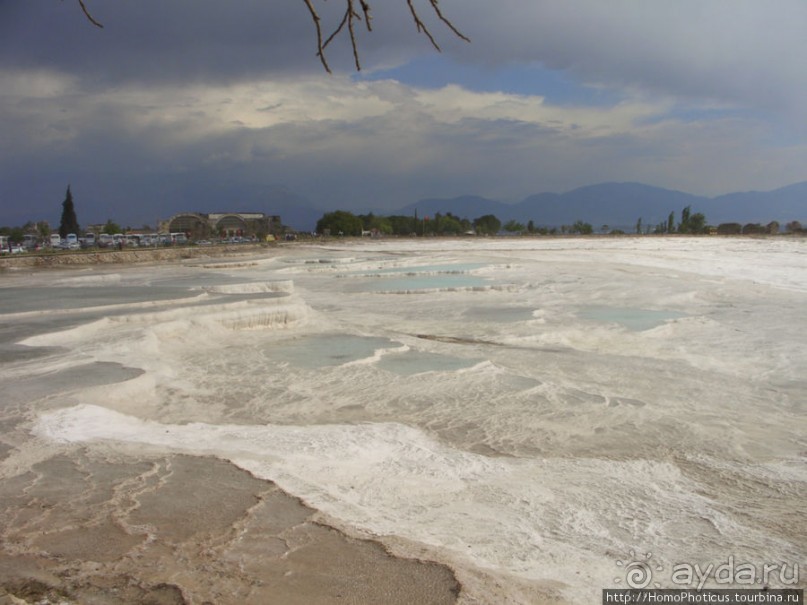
(111, 228)
(513, 226)
(16, 235)
(639, 226)
(729, 229)
(697, 223)
(464, 224)
(447, 224)
(692, 223)
(69, 221)
(402, 225)
(487, 224)
(671, 223)
(371, 222)
(581, 228)
(340, 222)
(683, 226)
(43, 229)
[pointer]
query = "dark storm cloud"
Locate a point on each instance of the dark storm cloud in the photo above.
(200, 40)
(152, 40)
(733, 50)
(195, 104)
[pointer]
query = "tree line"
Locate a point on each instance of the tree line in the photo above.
(692, 224)
(343, 222)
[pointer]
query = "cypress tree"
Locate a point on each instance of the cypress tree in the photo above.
(69, 222)
(684, 227)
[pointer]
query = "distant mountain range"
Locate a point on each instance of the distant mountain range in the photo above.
(622, 204)
(618, 205)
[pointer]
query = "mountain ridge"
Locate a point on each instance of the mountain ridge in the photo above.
(622, 204)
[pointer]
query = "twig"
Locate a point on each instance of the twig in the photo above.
(320, 48)
(349, 17)
(421, 27)
(448, 23)
(351, 14)
(88, 15)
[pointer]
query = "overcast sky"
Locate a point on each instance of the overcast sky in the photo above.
(210, 106)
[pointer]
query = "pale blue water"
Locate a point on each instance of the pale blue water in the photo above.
(325, 350)
(417, 269)
(633, 319)
(443, 276)
(442, 281)
(416, 362)
(500, 314)
(69, 291)
(48, 298)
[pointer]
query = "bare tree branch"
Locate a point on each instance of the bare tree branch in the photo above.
(320, 47)
(88, 15)
(367, 18)
(421, 27)
(448, 23)
(350, 16)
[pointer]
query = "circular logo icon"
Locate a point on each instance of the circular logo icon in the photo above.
(638, 571)
(638, 574)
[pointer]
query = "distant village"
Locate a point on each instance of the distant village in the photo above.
(180, 229)
(243, 227)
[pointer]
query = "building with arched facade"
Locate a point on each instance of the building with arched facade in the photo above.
(197, 225)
